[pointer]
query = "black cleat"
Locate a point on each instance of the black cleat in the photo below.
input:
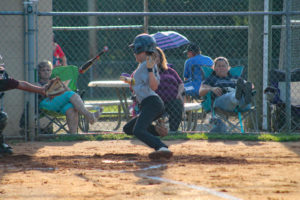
(5, 149)
(163, 152)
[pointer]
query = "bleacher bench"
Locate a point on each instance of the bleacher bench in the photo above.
(95, 104)
(190, 110)
(192, 106)
(92, 104)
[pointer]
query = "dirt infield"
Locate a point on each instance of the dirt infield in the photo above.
(121, 170)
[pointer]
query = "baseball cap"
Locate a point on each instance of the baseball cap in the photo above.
(193, 48)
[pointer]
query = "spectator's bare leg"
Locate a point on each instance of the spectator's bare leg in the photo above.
(72, 120)
(79, 106)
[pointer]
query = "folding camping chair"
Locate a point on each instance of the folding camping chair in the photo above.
(192, 85)
(233, 120)
(194, 108)
(65, 73)
(276, 97)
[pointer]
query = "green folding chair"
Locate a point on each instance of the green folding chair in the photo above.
(65, 73)
(229, 118)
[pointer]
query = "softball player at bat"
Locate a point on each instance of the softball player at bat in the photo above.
(146, 78)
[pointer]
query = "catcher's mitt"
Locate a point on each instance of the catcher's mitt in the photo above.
(55, 87)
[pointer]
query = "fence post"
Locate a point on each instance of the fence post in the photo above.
(255, 51)
(265, 64)
(146, 18)
(93, 45)
(288, 65)
(30, 12)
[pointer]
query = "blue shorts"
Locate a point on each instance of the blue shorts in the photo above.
(59, 103)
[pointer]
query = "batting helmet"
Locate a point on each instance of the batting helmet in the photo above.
(143, 43)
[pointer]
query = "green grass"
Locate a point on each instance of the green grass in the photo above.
(95, 137)
(181, 136)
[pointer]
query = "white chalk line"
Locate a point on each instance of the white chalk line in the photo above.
(10, 167)
(199, 188)
(28, 168)
(145, 169)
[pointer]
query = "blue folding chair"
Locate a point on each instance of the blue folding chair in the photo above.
(192, 98)
(192, 85)
(229, 118)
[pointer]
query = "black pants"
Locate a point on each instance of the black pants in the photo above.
(174, 108)
(140, 126)
(3, 122)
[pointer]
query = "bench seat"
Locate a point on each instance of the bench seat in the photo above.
(92, 104)
(192, 106)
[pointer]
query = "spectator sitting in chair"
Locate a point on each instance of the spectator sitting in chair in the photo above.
(192, 74)
(170, 90)
(229, 91)
(68, 103)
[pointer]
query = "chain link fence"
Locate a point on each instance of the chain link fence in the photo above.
(12, 51)
(220, 28)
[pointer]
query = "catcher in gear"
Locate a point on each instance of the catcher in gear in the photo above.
(66, 102)
(9, 83)
(147, 78)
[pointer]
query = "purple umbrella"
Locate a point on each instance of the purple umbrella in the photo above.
(169, 39)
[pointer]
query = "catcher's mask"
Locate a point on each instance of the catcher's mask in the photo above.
(143, 43)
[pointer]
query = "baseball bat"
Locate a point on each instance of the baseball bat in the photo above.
(83, 68)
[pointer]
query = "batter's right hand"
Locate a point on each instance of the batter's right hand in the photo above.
(150, 61)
